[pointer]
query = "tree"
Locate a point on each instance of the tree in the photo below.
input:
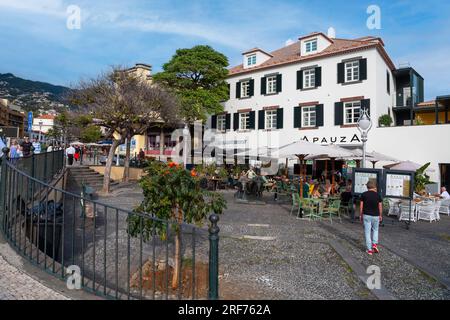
(198, 76)
(91, 134)
(125, 106)
(173, 194)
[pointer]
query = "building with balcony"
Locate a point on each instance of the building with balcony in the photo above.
(12, 119)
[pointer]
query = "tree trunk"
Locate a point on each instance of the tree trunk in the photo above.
(126, 167)
(178, 257)
(109, 162)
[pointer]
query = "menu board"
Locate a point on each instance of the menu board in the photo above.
(361, 180)
(398, 185)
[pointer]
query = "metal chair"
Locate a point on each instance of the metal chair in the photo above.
(445, 207)
(394, 209)
(333, 209)
(296, 202)
(407, 211)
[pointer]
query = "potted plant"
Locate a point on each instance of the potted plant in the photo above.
(172, 194)
(385, 120)
(421, 179)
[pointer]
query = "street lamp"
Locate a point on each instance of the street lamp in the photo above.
(364, 126)
(40, 129)
(185, 147)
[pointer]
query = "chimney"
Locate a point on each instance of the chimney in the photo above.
(331, 33)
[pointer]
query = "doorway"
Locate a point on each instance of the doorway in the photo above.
(444, 168)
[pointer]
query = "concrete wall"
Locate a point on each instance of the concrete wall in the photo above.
(117, 173)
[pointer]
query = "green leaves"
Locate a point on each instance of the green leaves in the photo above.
(421, 178)
(167, 188)
(197, 76)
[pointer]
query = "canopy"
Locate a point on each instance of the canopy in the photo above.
(94, 145)
(303, 149)
(406, 166)
(334, 152)
(77, 143)
(375, 157)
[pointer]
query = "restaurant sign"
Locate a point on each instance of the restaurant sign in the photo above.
(333, 139)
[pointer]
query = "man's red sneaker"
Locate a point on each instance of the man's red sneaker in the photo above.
(369, 252)
(375, 248)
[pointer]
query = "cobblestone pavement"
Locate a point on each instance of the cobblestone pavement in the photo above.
(17, 285)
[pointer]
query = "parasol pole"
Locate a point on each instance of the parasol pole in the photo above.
(332, 175)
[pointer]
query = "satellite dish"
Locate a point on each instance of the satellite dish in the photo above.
(331, 33)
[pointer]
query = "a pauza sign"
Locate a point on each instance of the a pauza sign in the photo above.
(336, 139)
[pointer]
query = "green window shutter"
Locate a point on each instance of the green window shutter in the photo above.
(252, 120)
(318, 74)
(319, 115)
(339, 113)
(341, 72)
(263, 85)
(299, 79)
(214, 122)
(238, 90)
(261, 119)
(297, 117)
(363, 69)
(388, 82)
(236, 121)
(252, 87)
(279, 83)
(228, 121)
(229, 91)
(365, 104)
(280, 118)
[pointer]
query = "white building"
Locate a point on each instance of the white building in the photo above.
(43, 123)
(315, 89)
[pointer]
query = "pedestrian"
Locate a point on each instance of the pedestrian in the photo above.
(37, 146)
(70, 151)
(14, 151)
(77, 153)
(371, 214)
(26, 147)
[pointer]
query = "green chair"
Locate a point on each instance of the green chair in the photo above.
(333, 210)
(296, 202)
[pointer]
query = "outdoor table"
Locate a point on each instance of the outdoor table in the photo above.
(215, 182)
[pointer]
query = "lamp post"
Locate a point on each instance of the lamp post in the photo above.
(364, 126)
(185, 144)
(40, 130)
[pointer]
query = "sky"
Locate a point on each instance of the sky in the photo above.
(36, 43)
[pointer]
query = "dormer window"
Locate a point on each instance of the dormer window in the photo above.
(251, 60)
(311, 46)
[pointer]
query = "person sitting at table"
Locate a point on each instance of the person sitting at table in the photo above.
(315, 191)
(327, 188)
(444, 193)
(251, 174)
(346, 196)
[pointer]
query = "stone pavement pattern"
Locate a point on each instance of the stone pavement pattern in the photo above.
(16, 285)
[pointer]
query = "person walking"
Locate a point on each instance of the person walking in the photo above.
(371, 214)
(14, 151)
(37, 146)
(70, 151)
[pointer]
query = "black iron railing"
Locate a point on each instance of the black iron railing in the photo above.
(88, 244)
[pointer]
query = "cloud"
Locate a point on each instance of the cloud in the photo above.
(47, 7)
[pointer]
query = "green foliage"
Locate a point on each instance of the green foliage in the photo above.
(212, 170)
(419, 121)
(172, 193)
(198, 76)
(385, 120)
(91, 134)
(421, 178)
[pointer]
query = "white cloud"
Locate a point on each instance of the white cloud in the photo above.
(47, 7)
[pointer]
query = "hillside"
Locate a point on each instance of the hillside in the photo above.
(31, 95)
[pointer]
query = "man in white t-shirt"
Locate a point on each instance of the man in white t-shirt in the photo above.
(36, 146)
(70, 151)
(444, 193)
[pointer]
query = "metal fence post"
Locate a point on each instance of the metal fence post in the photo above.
(3, 183)
(213, 293)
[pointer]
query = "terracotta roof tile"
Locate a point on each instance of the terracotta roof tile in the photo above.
(291, 53)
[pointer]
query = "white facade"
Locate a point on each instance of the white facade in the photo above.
(43, 123)
(420, 144)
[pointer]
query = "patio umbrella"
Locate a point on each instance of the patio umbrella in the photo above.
(262, 151)
(77, 143)
(375, 157)
(406, 166)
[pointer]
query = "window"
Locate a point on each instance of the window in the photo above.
(221, 122)
(251, 60)
(352, 71)
(309, 78)
(244, 121)
(245, 89)
(308, 116)
(311, 46)
(271, 85)
(352, 112)
(271, 119)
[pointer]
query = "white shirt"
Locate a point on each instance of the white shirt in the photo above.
(37, 147)
(70, 150)
(445, 195)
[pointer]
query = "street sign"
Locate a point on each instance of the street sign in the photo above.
(30, 121)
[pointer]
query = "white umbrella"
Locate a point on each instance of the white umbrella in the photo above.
(304, 148)
(77, 143)
(406, 166)
(262, 151)
(376, 156)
